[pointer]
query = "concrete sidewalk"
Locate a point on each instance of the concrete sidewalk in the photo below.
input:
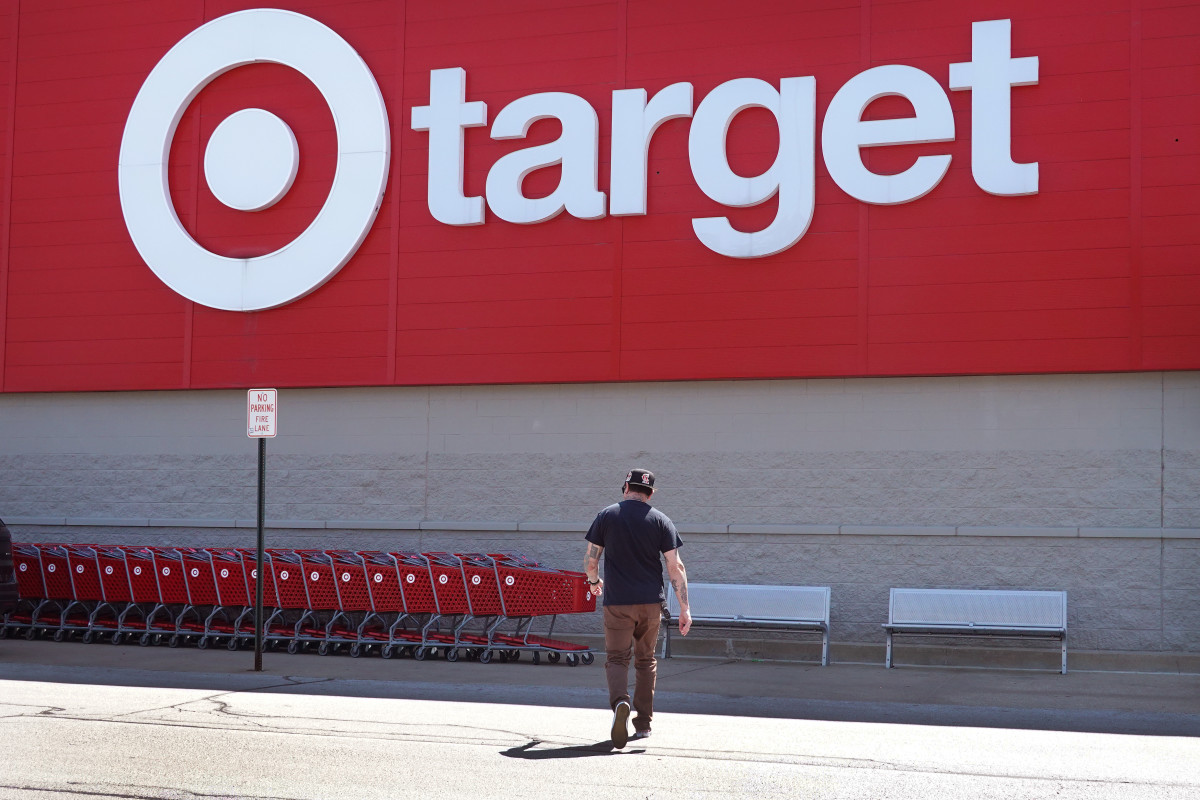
(1113, 702)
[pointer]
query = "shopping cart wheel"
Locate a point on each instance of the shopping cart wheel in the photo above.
(3, 632)
(173, 641)
(387, 652)
(587, 658)
(60, 635)
(553, 656)
(421, 653)
(485, 657)
(452, 654)
(572, 660)
(30, 634)
(117, 638)
(536, 658)
(144, 640)
(355, 650)
(202, 643)
(514, 655)
(293, 647)
(88, 637)
(233, 644)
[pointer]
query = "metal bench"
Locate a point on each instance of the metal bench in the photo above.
(743, 606)
(978, 612)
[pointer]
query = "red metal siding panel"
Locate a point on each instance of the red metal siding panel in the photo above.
(1098, 271)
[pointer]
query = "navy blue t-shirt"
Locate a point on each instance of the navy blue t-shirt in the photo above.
(633, 535)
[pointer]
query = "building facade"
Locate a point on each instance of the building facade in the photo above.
(886, 294)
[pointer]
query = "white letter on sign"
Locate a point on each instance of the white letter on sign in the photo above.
(577, 150)
(792, 174)
(990, 75)
(445, 117)
(845, 131)
(634, 123)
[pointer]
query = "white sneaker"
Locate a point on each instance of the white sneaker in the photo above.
(620, 727)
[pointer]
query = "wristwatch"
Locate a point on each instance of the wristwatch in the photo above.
(594, 583)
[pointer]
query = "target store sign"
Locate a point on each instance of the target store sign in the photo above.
(252, 157)
(354, 194)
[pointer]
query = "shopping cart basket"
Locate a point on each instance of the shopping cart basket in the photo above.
(87, 594)
(293, 608)
(34, 603)
(231, 620)
(119, 614)
(529, 592)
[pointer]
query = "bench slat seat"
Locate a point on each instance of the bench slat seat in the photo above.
(978, 612)
(761, 607)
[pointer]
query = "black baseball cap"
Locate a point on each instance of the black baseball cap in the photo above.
(640, 477)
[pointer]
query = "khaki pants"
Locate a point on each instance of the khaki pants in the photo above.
(632, 630)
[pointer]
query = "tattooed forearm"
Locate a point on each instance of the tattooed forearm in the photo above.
(679, 581)
(680, 585)
(591, 560)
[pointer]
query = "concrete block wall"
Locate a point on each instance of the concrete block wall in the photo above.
(1087, 482)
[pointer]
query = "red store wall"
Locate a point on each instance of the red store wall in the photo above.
(1098, 271)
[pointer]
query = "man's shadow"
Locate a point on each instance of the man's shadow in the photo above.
(604, 748)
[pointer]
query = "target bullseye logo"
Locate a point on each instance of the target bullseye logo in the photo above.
(252, 158)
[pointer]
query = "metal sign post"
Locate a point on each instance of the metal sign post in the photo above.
(262, 417)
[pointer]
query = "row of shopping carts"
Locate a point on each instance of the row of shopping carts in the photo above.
(424, 605)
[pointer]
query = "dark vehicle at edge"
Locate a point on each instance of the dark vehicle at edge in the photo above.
(8, 578)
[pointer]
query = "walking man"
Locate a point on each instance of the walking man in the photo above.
(631, 535)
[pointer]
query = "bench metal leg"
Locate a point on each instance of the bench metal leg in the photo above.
(1064, 655)
(887, 662)
(825, 648)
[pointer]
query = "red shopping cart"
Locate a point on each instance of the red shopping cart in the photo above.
(231, 620)
(528, 592)
(86, 593)
(293, 608)
(389, 620)
(315, 625)
(120, 614)
(201, 588)
(34, 602)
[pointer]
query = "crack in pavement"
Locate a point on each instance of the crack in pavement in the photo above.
(124, 792)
